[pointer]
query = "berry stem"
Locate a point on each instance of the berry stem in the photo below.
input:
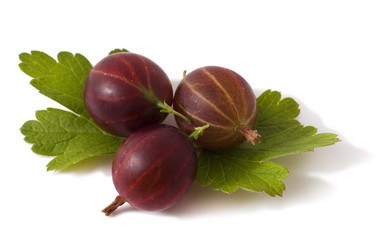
(198, 131)
(114, 205)
(165, 108)
(250, 135)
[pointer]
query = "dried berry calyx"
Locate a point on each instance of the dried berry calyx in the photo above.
(118, 201)
(251, 136)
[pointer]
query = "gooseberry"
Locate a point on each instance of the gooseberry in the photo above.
(126, 91)
(153, 169)
(221, 98)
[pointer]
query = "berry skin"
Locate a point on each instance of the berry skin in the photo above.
(154, 168)
(122, 93)
(221, 98)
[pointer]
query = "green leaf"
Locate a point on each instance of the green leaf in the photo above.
(69, 137)
(62, 81)
(245, 167)
(117, 50)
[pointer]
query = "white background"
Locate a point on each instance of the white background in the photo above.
(327, 55)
